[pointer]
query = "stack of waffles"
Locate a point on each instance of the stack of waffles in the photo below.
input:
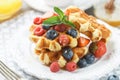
(51, 50)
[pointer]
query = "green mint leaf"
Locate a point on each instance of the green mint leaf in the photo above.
(59, 12)
(64, 18)
(61, 18)
(69, 23)
(51, 21)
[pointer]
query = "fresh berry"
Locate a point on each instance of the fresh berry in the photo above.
(113, 77)
(82, 42)
(46, 27)
(51, 34)
(90, 58)
(54, 67)
(38, 20)
(48, 15)
(82, 63)
(64, 40)
(67, 53)
(60, 27)
(98, 48)
(93, 47)
(71, 66)
(39, 31)
(72, 32)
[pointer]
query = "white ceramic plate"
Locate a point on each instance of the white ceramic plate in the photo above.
(41, 6)
(23, 54)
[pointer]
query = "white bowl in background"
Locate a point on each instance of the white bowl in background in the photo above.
(59, 3)
(41, 5)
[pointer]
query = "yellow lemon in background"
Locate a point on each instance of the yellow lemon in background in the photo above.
(8, 8)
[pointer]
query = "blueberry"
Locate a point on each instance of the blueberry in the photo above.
(51, 34)
(90, 58)
(82, 63)
(72, 32)
(46, 27)
(67, 53)
(113, 77)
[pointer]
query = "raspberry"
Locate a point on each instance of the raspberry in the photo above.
(39, 31)
(64, 40)
(38, 20)
(60, 27)
(54, 67)
(71, 66)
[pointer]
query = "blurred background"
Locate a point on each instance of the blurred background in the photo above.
(107, 10)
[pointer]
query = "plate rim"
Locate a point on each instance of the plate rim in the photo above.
(27, 70)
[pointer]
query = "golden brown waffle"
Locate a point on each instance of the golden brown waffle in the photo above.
(43, 43)
(87, 25)
(52, 45)
(51, 50)
(48, 57)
